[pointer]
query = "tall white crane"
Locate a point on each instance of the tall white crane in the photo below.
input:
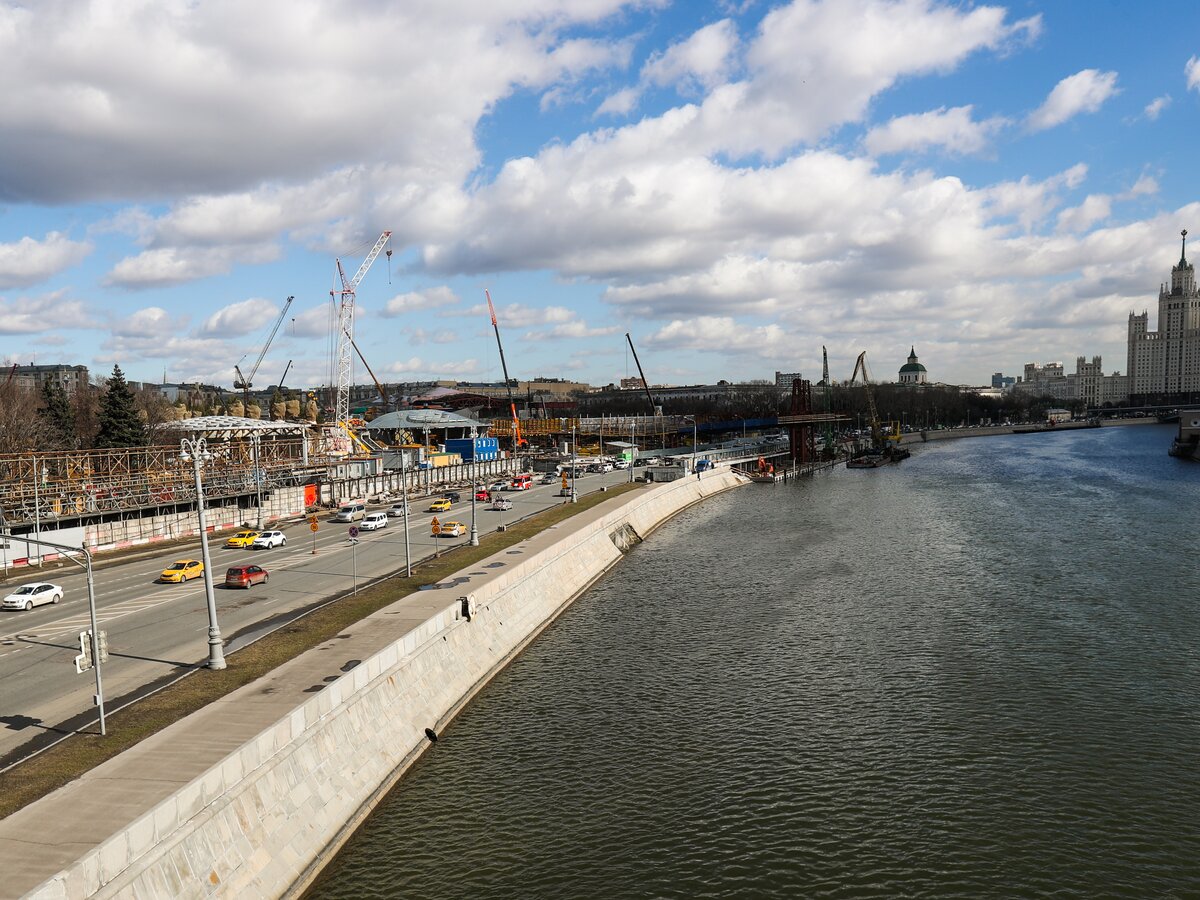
(346, 327)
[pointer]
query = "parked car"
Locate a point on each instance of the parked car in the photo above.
(268, 540)
(396, 510)
(182, 570)
(501, 503)
(245, 576)
(451, 529)
(442, 504)
(374, 520)
(242, 539)
(27, 596)
(621, 464)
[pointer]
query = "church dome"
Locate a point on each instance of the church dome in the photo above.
(912, 367)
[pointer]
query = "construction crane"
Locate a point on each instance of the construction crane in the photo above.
(346, 327)
(245, 381)
(860, 365)
(286, 369)
(518, 441)
(828, 392)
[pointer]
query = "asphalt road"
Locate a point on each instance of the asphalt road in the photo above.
(156, 631)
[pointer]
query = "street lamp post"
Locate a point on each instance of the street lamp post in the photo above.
(257, 483)
(404, 517)
(574, 453)
(86, 565)
(195, 450)
(474, 486)
(632, 449)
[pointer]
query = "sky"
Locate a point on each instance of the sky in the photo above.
(734, 183)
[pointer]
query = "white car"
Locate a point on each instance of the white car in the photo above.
(268, 540)
(397, 510)
(497, 486)
(27, 596)
(501, 503)
(621, 464)
(374, 520)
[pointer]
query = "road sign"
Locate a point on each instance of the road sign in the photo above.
(312, 520)
(353, 531)
(436, 526)
(564, 480)
(313, 526)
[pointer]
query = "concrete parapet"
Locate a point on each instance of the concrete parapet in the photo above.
(253, 794)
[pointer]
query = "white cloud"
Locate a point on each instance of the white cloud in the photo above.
(175, 98)
(1095, 208)
(419, 336)
(1191, 72)
(620, 103)
(27, 261)
(1155, 107)
(722, 334)
(416, 365)
(518, 315)
(703, 60)
(238, 319)
(176, 265)
(952, 129)
(1083, 92)
(574, 329)
(34, 315)
(152, 322)
(430, 298)
(316, 322)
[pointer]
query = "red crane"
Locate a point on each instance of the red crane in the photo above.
(518, 441)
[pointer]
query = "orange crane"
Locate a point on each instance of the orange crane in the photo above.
(518, 441)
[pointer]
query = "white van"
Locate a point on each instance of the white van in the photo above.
(374, 520)
(350, 512)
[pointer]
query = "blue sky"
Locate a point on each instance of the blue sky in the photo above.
(734, 183)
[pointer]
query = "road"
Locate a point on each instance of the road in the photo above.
(157, 631)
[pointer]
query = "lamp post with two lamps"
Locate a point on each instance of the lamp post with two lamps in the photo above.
(195, 451)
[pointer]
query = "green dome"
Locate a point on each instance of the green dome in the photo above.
(912, 367)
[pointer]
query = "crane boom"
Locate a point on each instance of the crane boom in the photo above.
(383, 395)
(518, 441)
(645, 383)
(860, 365)
(346, 327)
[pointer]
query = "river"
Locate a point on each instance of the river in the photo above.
(973, 674)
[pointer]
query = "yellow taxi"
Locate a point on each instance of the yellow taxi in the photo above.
(442, 504)
(182, 570)
(450, 529)
(242, 539)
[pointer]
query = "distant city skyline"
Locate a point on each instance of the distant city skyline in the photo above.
(734, 184)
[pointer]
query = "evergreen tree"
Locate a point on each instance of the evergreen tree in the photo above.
(120, 425)
(57, 415)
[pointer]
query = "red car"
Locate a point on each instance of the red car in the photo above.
(483, 494)
(245, 576)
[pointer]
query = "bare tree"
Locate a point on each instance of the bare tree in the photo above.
(21, 428)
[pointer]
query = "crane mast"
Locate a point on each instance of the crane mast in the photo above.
(518, 441)
(346, 327)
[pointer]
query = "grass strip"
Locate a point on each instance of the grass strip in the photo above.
(82, 752)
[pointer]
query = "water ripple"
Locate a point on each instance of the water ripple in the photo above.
(973, 675)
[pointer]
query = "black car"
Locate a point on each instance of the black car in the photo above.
(452, 496)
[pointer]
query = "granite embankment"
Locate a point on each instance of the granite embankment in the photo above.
(251, 795)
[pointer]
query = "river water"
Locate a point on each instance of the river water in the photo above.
(973, 674)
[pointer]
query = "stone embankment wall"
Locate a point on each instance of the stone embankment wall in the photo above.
(263, 821)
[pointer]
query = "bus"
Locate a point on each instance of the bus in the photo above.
(521, 483)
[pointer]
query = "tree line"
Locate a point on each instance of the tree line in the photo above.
(110, 413)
